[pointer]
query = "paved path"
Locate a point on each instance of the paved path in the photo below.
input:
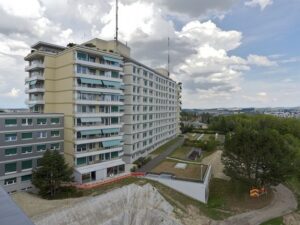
(216, 165)
(283, 203)
(154, 162)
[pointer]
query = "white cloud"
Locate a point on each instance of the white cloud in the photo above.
(20, 8)
(261, 3)
(260, 61)
(13, 93)
(201, 52)
(262, 94)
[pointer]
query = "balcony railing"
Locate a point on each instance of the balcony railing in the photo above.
(34, 66)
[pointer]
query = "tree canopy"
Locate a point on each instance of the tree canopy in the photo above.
(51, 173)
(260, 149)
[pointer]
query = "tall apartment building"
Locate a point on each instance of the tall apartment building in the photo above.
(24, 137)
(102, 92)
(85, 84)
(150, 117)
(178, 106)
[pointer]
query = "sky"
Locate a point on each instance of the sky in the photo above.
(226, 53)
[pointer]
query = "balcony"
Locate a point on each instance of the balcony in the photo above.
(97, 102)
(34, 66)
(96, 151)
(95, 126)
(34, 77)
(97, 89)
(35, 101)
(98, 138)
(34, 89)
(98, 65)
(98, 114)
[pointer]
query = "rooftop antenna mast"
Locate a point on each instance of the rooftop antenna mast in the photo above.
(168, 56)
(117, 23)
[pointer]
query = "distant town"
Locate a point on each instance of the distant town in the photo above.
(284, 112)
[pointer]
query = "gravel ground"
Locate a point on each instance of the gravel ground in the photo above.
(217, 167)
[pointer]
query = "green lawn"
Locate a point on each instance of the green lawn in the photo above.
(182, 152)
(276, 221)
(163, 148)
(232, 195)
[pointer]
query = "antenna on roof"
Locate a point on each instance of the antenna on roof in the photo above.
(168, 56)
(117, 24)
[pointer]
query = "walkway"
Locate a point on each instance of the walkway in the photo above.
(158, 159)
(216, 165)
(283, 203)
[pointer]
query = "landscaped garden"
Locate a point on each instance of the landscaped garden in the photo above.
(181, 170)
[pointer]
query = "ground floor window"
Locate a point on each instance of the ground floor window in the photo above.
(26, 177)
(10, 181)
(112, 171)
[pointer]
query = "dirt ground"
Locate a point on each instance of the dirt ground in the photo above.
(217, 167)
(33, 206)
(292, 219)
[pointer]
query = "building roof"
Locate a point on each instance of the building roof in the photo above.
(41, 43)
(29, 114)
(10, 213)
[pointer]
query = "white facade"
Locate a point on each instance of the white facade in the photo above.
(151, 106)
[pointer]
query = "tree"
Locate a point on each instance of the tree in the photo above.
(51, 174)
(259, 156)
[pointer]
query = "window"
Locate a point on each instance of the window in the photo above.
(26, 150)
(10, 151)
(115, 74)
(81, 161)
(10, 122)
(114, 120)
(39, 162)
(114, 155)
(114, 109)
(40, 148)
(54, 146)
(82, 56)
(82, 69)
(26, 178)
(27, 135)
(54, 120)
(42, 134)
(92, 59)
(26, 164)
(26, 122)
(10, 181)
(54, 133)
(11, 137)
(41, 121)
(11, 167)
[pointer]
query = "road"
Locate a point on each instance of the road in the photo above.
(283, 203)
(154, 162)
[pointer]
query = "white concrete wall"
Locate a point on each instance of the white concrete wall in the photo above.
(198, 191)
